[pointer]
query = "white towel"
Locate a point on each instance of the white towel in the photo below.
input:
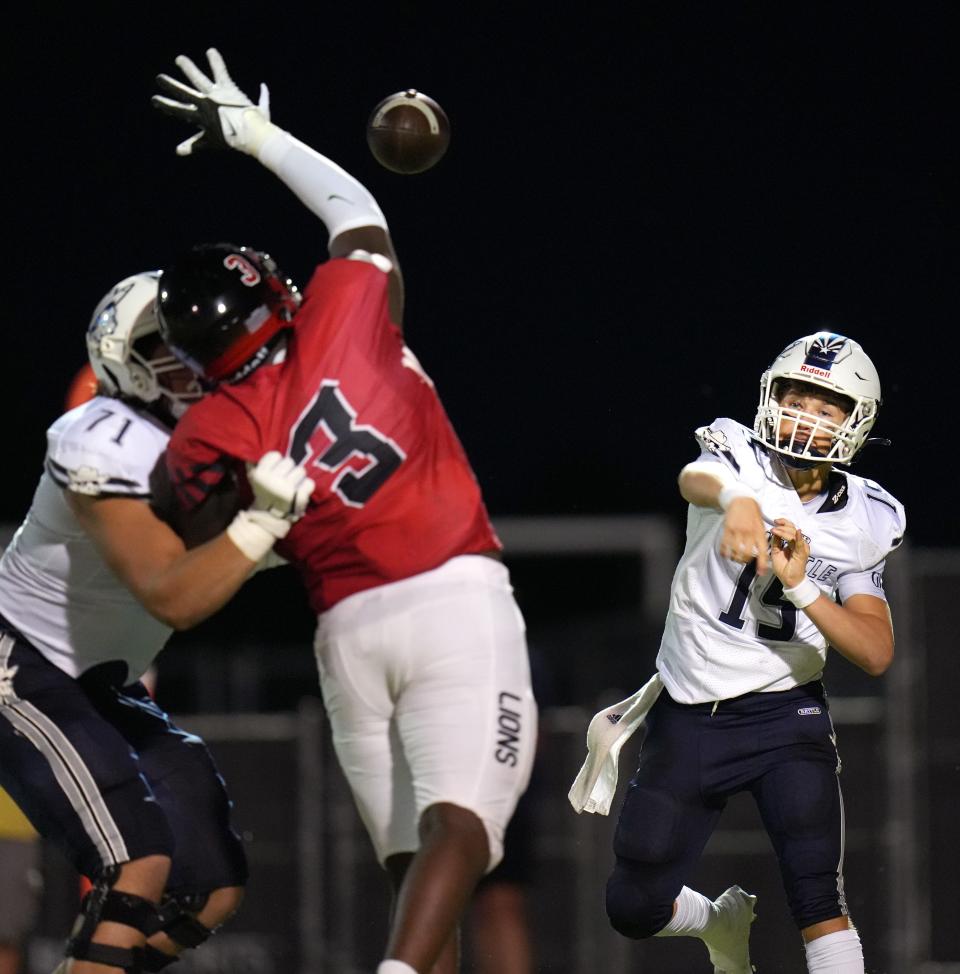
(609, 730)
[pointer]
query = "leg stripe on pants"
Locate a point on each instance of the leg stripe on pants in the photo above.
(841, 892)
(67, 766)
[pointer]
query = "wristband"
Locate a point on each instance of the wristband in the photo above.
(803, 594)
(730, 492)
(250, 532)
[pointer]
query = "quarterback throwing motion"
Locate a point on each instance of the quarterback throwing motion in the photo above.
(784, 557)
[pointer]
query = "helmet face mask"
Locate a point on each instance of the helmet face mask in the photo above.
(126, 351)
(220, 307)
(836, 368)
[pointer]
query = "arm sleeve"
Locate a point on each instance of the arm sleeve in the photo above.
(326, 189)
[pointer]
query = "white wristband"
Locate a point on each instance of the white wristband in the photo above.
(731, 492)
(803, 594)
(248, 533)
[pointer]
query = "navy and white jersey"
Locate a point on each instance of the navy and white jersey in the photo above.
(729, 632)
(54, 586)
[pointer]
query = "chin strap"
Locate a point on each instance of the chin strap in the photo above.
(871, 442)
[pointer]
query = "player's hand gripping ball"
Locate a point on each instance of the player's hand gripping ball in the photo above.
(408, 132)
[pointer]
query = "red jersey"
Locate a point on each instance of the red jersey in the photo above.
(395, 494)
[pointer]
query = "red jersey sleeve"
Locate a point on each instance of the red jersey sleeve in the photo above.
(213, 440)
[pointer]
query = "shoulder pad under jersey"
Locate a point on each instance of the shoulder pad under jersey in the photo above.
(728, 441)
(105, 447)
(880, 517)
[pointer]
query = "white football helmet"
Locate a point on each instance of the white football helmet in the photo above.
(121, 360)
(832, 362)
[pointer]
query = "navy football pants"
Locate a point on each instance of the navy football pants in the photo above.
(778, 746)
(100, 770)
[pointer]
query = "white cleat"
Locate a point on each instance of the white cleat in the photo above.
(729, 943)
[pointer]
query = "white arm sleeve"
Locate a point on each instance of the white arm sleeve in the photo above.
(330, 192)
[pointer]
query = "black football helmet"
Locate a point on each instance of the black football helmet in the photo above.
(220, 306)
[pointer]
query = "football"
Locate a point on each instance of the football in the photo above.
(408, 132)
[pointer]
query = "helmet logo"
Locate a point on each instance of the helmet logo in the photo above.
(104, 323)
(249, 275)
(822, 353)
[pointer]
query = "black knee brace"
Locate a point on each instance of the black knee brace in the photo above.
(178, 924)
(105, 904)
(155, 960)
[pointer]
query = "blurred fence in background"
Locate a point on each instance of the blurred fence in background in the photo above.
(594, 592)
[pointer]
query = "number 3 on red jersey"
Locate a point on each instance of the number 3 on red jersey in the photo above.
(326, 431)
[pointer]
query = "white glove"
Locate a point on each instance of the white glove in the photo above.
(281, 492)
(226, 116)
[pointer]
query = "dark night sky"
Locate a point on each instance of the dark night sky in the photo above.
(631, 221)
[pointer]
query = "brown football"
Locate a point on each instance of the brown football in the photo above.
(408, 132)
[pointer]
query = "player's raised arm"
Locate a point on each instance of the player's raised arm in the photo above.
(227, 118)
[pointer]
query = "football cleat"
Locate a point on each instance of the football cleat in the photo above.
(729, 943)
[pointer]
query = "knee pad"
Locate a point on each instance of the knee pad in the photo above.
(103, 903)
(635, 909)
(177, 922)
